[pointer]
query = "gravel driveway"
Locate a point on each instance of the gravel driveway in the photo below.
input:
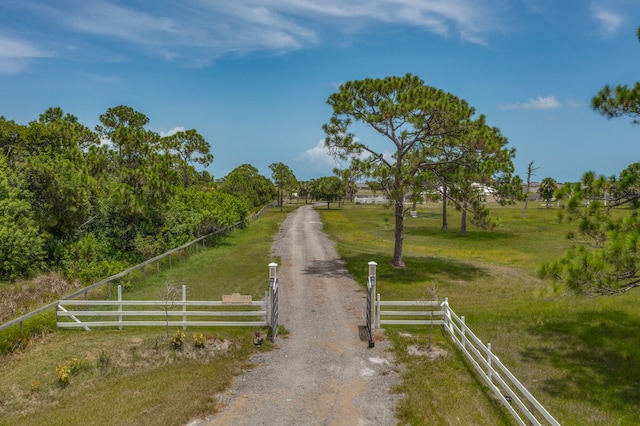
(322, 373)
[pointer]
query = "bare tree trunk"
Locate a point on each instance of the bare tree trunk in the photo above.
(463, 225)
(399, 235)
(445, 225)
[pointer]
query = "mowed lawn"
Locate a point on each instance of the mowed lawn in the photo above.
(580, 357)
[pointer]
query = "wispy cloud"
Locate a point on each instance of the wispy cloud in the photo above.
(16, 54)
(103, 18)
(547, 102)
(608, 20)
(197, 32)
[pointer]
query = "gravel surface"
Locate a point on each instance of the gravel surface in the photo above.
(323, 373)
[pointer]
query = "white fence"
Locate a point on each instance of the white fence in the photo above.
(234, 310)
(513, 395)
(409, 316)
(371, 200)
(522, 405)
(239, 310)
(179, 251)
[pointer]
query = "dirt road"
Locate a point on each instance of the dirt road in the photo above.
(322, 373)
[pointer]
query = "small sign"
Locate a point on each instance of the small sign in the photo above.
(230, 299)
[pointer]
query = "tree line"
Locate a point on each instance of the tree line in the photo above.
(88, 202)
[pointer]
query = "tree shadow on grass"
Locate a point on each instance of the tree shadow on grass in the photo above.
(453, 234)
(218, 241)
(417, 269)
(598, 354)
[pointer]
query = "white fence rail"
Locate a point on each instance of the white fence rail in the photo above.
(179, 313)
(514, 396)
(408, 316)
(520, 403)
(234, 310)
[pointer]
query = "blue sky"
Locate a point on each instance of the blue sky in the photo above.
(253, 76)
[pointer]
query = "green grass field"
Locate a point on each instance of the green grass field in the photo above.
(578, 356)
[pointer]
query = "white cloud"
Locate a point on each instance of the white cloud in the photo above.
(172, 131)
(609, 20)
(547, 102)
(15, 55)
(318, 157)
(319, 161)
(198, 31)
(468, 19)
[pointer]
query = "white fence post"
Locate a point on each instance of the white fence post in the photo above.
(489, 358)
(447, 315)
(184, 307)
(120, 306)
(463, 337)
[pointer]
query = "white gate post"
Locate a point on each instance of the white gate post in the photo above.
(273, 275)
(372, 280)
(273, 279)
(273, 271)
